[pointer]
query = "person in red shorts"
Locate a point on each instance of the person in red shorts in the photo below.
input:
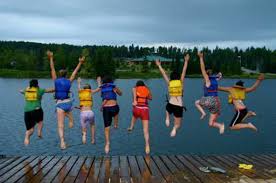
(141, 95)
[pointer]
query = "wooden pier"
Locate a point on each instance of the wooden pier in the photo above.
(172, 168)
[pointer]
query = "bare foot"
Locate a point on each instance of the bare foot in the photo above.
(92, 141)
(147, 149)
(221, 129)
(106, 148)
(251, 126)
(252, 113)
(84, 138)
(202, 116)
(173, 132)
(129, 129)
(115, 126)
(71, 124)
(39, 136)
(167, 122)
(27, 140)
(62, 145)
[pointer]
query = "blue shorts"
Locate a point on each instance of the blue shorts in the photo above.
(65, 106)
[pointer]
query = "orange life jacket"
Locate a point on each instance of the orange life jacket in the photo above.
(142, 93)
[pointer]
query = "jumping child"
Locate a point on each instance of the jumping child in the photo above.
(87, 116)
(237, 94)
(141, 95)
(210, 99)
(175, 87)
(33, 110)
(64, 104)
(110, 107)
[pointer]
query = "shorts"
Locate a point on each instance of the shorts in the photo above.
(176, 110)
(108, 113)
(66, 106)
(33, 117)
(87, 118)
(210, 103)
(141, 112)
(239, 116)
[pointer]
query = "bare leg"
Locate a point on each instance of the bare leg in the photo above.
(201, 110)
(116, 121)
(243, 125)
(92, 134)
(28, 134)
(107, 141)
(177, 124)
(39, 129)
(60, 118)
(213, 123)
(71, 119)
(84, 135)
(146, 135)
(132, 123)
(167, 119)
(249, 114)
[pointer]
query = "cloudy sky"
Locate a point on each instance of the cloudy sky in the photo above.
(185, 23)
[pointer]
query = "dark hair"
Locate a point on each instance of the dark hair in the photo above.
(174, 75)
(34, 83)
(63, 73)
(209, 72)
(107, 79)
(87, 86)
(140, 83)
(240, 83)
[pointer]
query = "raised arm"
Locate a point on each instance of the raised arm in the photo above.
(224, 89)
(256, 84)
(50, 56)
(186, 59)
(96, 90)
(162, 71)
(118, 91)
(49, 90)
(203, 70)
(81, 61)
(21, 91)
(79, 83)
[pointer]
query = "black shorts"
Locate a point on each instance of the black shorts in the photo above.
(176, 110)
(33, 117)
(239, 116)
(109, 113)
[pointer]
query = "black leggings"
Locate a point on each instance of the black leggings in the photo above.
(108, 113)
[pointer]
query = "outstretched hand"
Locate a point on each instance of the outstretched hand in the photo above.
(261, 77)
(200, 54)
(157, 62)
(187, 57)
(82, 59)
(50, 54)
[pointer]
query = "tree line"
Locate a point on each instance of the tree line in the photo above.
(105, 59)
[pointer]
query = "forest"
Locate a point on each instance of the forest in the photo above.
(31, 57)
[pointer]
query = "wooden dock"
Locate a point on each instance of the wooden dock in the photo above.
(172, 168)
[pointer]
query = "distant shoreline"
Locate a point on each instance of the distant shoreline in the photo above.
(6, 73)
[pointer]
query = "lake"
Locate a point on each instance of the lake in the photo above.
(194, 137)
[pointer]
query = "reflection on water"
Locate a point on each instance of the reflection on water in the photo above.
(194, 136)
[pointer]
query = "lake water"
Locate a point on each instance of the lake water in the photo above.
(194, 136)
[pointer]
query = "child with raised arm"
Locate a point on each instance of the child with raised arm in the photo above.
(110, 107)
(175, 86)
(64, 103)
(87, 117)
(210, 100)
(33, 111)
(141, 95)
(237, 95)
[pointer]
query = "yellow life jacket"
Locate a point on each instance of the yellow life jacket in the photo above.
(236, 94)
(85, 97)
(31, 94)
(175, 88)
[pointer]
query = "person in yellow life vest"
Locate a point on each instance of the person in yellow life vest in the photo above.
(141, 95)
(237, 95)
(33, 113)
(175, 88)
(87, 117)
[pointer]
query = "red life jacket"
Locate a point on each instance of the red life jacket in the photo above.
(142, 93)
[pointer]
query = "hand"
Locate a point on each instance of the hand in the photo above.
(187, 57)
(157, 62)
(79, 80)
(200, 54)
(82, 59)
(261, 77)
(134, 103)
(50, 54)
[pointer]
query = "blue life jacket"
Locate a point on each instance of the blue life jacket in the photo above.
(62, 88)
(212, 90)
(107, 91)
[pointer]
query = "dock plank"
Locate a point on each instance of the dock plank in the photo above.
(124, 169)
(73, 173)
(105, 175)
(134, 169)
(94, 171)
(144, 170)
(84, 171)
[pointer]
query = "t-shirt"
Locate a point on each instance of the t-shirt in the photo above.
(33, 105)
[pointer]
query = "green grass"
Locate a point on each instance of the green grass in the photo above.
(7, 73)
